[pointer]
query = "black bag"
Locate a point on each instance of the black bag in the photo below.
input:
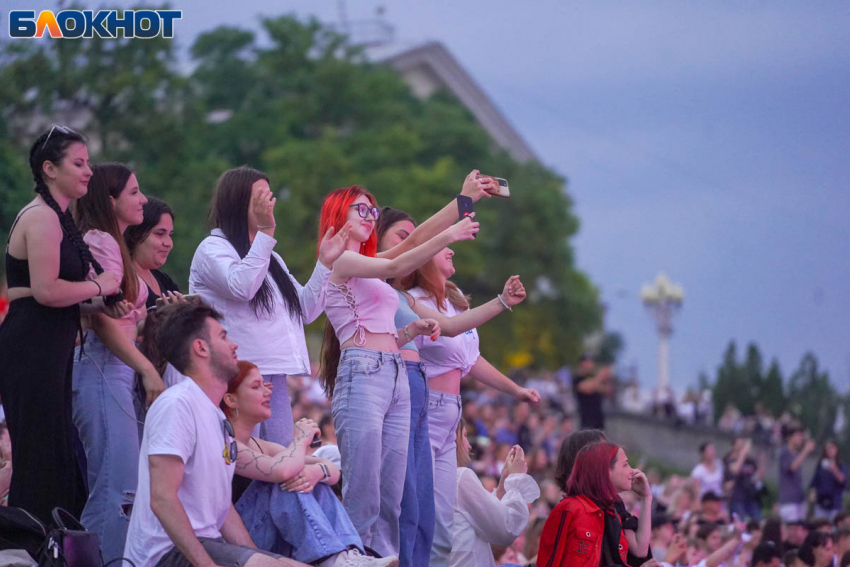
(70, 545)
(21, 530)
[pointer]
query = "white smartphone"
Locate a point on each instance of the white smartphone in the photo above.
(503, 190)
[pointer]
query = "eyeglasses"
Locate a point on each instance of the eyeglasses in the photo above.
(230, 451)
(363, 210)
(62, 129)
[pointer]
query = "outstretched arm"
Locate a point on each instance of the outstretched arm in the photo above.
(488, 374)
(473, 187)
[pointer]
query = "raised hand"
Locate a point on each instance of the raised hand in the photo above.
(640, 484)
(464, 229)
(514, 292)
(262, 204)
(515, 463)
(425, 327)
(333, 245)
(476, 187)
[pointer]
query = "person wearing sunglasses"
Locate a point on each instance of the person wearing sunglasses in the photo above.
(183, 513)
(284, 495)
(236, 270)
(361, 368)
(47, 263)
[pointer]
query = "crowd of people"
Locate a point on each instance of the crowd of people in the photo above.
(195, 430)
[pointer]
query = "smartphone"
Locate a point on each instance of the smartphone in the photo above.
(503, 190)
(114, 298)
(160, 302)
(316, 442)
(464, 207)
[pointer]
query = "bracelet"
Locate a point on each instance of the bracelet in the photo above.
(261, 227)
(325, 471)
(502, 301)
(406, 334)
(99, 289)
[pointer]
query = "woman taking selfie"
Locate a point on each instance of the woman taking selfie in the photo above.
(584, 529)
(236, 271)
(361, 368)
(413, 319)
(107, 411)
(47, 262)
(290, 507)
(447, 360)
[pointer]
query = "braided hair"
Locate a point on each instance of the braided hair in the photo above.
(52, 146)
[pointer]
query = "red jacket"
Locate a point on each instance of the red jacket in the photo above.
(572, 535)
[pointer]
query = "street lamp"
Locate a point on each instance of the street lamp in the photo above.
(662, 299)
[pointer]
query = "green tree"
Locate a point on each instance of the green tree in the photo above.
(813, 398)
(307, 108)
(772, 393)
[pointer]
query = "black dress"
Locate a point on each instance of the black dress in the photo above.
(36, 360)
(165, 284)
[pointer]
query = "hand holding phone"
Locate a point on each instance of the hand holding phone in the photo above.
(502, 188)
(464, 207)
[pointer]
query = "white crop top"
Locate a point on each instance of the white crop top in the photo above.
(446, 353)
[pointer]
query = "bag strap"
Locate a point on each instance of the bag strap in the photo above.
(66, 521)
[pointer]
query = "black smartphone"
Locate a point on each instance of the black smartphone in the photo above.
(114, 298)
(464, 207)
(316, 442)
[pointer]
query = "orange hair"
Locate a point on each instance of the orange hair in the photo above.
(428, 278)
(245, 368)
(335, 212)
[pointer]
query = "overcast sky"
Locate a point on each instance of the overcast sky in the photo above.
(707, 140)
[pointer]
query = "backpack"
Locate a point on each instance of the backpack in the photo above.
(21, 530)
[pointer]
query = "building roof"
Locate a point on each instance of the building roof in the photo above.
(429, 67)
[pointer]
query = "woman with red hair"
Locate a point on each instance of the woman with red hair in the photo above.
(361, 367)
(584, 529)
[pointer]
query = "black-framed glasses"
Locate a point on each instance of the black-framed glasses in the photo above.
(62, 129)
(230, 451)
(363, 210)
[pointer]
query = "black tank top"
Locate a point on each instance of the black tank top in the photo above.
(240, 483)
(70, 263)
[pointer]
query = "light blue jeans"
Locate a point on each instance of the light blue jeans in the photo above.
(371, 411)
(417, 503)
(307, 527)
(279, 427)
(443, 419)
(106, 413)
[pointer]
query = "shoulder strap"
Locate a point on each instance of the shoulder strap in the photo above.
(14, 224)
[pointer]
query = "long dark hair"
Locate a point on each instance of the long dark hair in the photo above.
(390, 216)
(94, 211)
(52, 146)
(570, 446)
(229, 212)
(153, 210)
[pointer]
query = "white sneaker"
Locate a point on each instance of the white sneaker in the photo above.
(353, 558)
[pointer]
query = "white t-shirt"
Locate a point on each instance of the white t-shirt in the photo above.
(709, 481)
(446, 353)
(184, 422)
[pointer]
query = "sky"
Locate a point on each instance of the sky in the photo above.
(710, 141)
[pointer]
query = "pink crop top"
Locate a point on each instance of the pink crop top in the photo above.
(359, 305)
(106, 251)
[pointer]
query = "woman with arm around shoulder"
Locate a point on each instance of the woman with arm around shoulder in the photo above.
(483, 518)
(584, 529)
(361, 368)
(236, 270)
(46, 266)
(447, 360)
(105, 400)
(282, 494)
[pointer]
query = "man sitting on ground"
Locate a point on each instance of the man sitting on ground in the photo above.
(182, 514)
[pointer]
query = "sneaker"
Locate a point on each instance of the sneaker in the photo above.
(353, 558)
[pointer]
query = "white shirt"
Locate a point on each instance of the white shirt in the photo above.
(274, 342)
(446, 353)
(709, 481)
(184, 422)
(481, 519)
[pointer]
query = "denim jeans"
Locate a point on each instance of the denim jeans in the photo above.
(443, 419)
(105, 412)
(306, 527)
(745, 509)
(417, 503)
(371, 411)
(279, 427)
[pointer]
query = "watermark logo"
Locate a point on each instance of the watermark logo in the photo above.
(144, 24)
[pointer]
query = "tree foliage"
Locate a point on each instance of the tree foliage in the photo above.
(308, 109)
